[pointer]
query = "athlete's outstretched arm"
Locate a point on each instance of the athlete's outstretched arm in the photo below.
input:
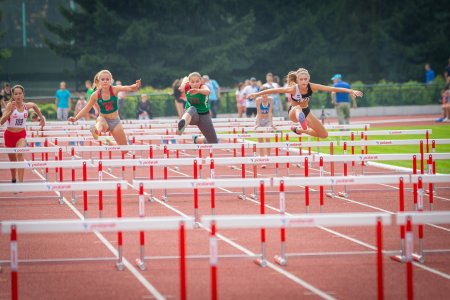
(38, 112)
(287, 89)
(325, 88)
(92, 101)
(127, 88)
(204, 90)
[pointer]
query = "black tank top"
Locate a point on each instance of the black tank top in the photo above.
(299, 97)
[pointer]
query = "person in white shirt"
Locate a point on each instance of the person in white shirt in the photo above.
(277, 105)
(250, 103)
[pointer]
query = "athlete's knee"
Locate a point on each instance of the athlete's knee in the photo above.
(323, 134)
(191, 111)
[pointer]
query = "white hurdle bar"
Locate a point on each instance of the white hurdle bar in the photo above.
(195, 184)
(14, 228)
(295, 221)
(71, 186)
(62, 186)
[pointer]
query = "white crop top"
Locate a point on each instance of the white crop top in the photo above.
(18, 119)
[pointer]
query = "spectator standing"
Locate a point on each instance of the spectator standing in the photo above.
(250, 103)
(214, 95)
(445, 102)
(180, 101)
(341, 101)
(5, 96)
(63, 102)
(429, 74)
(79, 106)
(271, 84)
(143, 109)
(240, 99)
(287, 95)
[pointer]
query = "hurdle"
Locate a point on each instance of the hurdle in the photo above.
(420, 180)
(408, 219)
(14, 228)
(295, 221)
(200, 184)
(336, 180)
(69, 186)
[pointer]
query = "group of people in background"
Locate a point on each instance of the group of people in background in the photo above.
(197, 99)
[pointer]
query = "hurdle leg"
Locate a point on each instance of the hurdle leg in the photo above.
(331, 194)
(73, 176)
(409, 259)
(402, 257)
(166, 155)
(120, 265)
(14, 264)
(419, 257)
(140, 262)
(262, 262)
(282, 259)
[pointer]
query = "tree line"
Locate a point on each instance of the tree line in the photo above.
(231, 40)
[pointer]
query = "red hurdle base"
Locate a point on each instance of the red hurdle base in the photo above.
(280, 260)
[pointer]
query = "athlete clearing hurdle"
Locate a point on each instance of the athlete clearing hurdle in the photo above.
(106, 99)
(197, 109)
(301, 91)
(15, 115)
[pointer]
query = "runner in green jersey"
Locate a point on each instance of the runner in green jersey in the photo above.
(105, 97)
(197, 110)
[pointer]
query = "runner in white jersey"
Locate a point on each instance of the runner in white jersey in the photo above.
(15, 116)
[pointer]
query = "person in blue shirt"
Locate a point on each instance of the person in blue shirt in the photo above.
(63, 102)
(214, 96)
(341, 101)
(429, 74)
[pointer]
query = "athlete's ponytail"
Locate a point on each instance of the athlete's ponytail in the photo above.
(291, 78)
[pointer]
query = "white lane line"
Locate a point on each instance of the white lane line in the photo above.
(111, 248)
(289, 275)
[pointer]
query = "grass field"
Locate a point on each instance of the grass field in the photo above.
(438, 132)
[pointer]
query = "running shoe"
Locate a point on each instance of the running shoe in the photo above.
(181, 126)
(194, 138)
(440, 119)
(302, 120)
(94, 132)
(294, 129)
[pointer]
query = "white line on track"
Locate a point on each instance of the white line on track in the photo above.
(289, 275)
(111, 248)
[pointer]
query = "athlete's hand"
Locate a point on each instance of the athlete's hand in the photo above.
(193, 91)
(273, 126)
(138, 84)
(42, 123)
(71, 119)
(13, 105)
(357, 93)
(256, 126)
(250, 96)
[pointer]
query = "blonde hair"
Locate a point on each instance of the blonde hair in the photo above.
(303, 71)
(291, 78)
(96, 81)
(194, 74)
